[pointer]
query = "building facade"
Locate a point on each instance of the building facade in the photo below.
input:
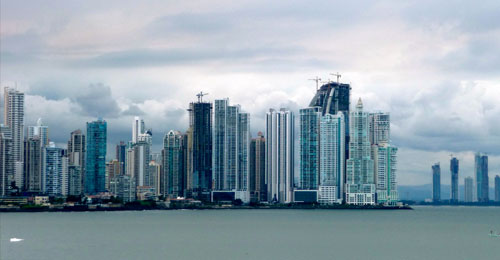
(497, 188)
(468, 189)
(14, 120)
(173, 165)
(280, 138)
(40, 130)
(257, 180)
(6, 163)
(454, 180)
(436, 183)
(309, 141)
(481, 177)
(33, 164)
(77, 149)
(52, 180)
(95, 170)
(386, 170)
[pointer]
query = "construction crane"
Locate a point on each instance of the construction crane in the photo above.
(317, 81)
(200, 96)
(338, 77)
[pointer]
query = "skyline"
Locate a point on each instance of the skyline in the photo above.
(142, 69)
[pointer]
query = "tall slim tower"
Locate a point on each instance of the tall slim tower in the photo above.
(33, 164)
(121, 156)
(280, 134)
(52, 170)
(199, 151)
(77, 148)
(332, 158)
(6, 163)
(173, 164)
(137, 128)
(14, 119)
(257, 180)
(468, 189)
(95, 170)
(310, 147)
(497, 188)
(454, 180)
(481, 175)
(360, 181)
(436, 183)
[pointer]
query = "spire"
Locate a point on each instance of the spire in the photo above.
(359, 106)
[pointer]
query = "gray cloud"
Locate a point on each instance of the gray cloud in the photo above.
(96, 101)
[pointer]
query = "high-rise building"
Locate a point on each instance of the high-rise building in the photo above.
(333, 97)
(385, 156)
(436, 183)
(154, 176)
(138, 128)
(14, 120)
(173, 165)
(141, 159)
(95, 170)
(124, 187)
(497, 188)
(230, 139)
(332, 158)
(33, 150)
(454, 180)
(199, 150)
(468, 189)
(257, 180)
(77, 149)
(113, 169)
(6, 162)
(481, 177)
(360, 181)
(40, 130)
(280, 138)
(65, 173)
(121, 155)
(379, 128)
(52, 170)
(310, 147)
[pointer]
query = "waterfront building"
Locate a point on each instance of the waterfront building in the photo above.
(385, 156)
(113, 169)
(123, 187)
(14, 120)
(33, 151)
(173, 165)
(40, 130)
(497, 188)
(141, 156)
(309, 141)
(231, 140)
(436, 183)
(468, 189)
(199, 150)
(481, 177)
(95, 170)
(154, 175)
(257, 182)
(77, 148)
(379, 128)
(52, 170)
(280, 138)
(360, 181)
(454, 180)
(332, 158)
(6, 162)
(121, 155)
(65, 173)
(138, 128)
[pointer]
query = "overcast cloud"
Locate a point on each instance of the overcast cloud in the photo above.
(433, 65)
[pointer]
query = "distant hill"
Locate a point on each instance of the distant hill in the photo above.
(422, 192)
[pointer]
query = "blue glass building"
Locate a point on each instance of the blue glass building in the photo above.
(95, 175)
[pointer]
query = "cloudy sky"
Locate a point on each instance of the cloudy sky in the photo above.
(434, 66)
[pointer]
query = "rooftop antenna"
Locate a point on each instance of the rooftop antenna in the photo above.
(200, 96)
(317, 81)
(338, 77)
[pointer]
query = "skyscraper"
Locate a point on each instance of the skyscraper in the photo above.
(113, 169)
(481, 175)
(138, 128)
(257, 180)
(379, 128)
(121, 155)
(231, 137)
(52, 170)
(310, 147)
(173, 164)
(142, 151)
(454, 180)
(280, 134)
(360, 181)
(95, 170)
(6, 162)
(436, 183)
(40, 130)
(333, 97)
(468, 189)
(332, 158)
(14, 119)
(199, 151)
(77, 148)
(497, 188)
(33, 150)
(386, 170)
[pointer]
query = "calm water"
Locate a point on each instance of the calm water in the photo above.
(424, 233)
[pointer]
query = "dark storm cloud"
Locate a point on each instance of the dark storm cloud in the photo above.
(133, 110)
(96, 101)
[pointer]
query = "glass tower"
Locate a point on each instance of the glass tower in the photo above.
(309, 147)
(481, 174)
(436, 182)
(95, 170)
(454, 180)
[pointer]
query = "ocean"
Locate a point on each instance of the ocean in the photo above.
(423, 233)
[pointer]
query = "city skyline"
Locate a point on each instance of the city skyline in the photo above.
(145, 70)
